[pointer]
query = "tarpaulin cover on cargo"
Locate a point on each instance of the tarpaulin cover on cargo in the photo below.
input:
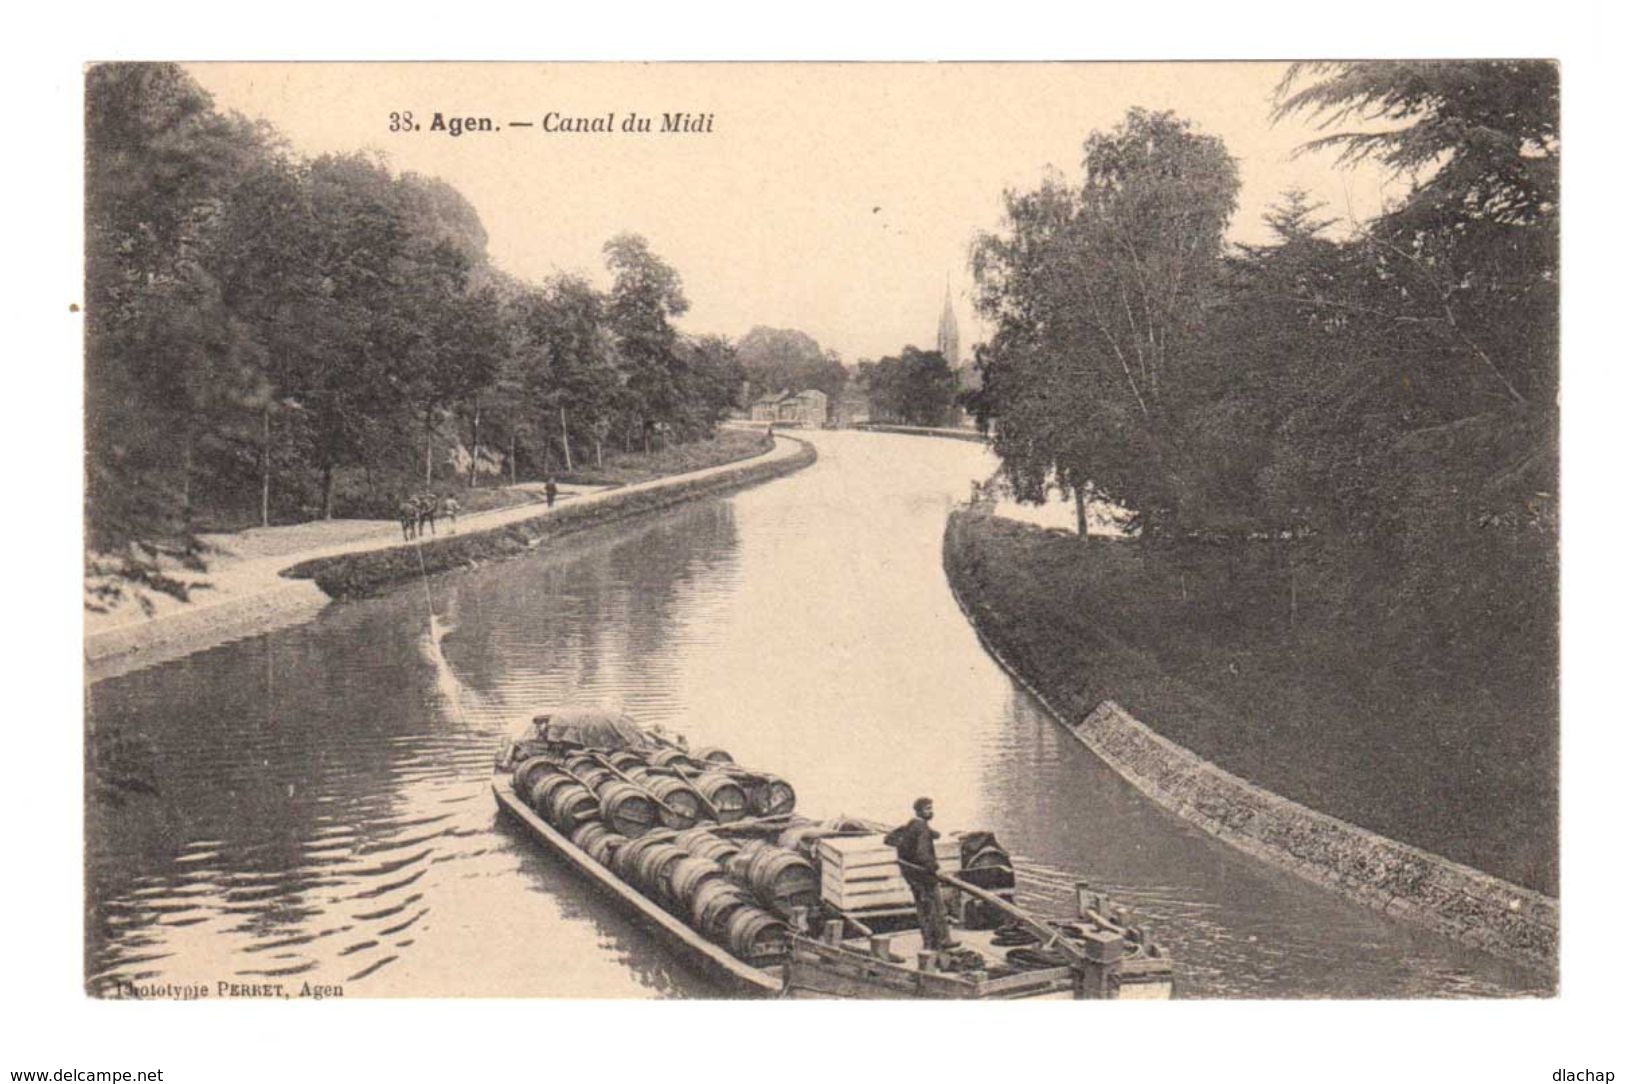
(596, 728)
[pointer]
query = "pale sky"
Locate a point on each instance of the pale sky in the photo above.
(771, 217)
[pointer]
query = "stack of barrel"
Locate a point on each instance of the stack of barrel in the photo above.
(608, 805)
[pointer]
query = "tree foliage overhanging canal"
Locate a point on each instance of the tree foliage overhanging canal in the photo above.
(271, 338)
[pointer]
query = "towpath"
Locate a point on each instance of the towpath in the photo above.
(243, 592)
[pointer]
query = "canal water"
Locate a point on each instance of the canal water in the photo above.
(313, 805)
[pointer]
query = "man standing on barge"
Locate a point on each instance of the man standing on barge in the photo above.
(917, 852)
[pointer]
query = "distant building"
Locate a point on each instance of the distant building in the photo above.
(809, 409)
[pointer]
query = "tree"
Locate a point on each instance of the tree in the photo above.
(168, 362)
(783, 359)
(1096, 295)
(714, 377)
(916, 387)
(1470, 255)
(362, 354)
(1486, 131)
(568, 363)
(646, 297)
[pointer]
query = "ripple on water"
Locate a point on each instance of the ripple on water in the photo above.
(324, 790)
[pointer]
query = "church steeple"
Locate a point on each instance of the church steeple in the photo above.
(948, 329)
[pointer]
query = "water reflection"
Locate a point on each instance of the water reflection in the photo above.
(318, 806)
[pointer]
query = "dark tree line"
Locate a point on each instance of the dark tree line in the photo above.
(914, 387)
(271, 338)
(1390, 393)
(783, 359)
(1273, 386)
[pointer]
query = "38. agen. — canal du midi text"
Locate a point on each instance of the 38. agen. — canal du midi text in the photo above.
(554, 122)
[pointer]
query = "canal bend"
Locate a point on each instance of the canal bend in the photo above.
(312, 806)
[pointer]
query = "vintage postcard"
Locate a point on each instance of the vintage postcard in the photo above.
(867, 531)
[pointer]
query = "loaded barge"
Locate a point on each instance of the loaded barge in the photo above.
(712, 857)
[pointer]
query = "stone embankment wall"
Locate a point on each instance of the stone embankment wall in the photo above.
(1392, 877)
(353, 575)
(141, 644)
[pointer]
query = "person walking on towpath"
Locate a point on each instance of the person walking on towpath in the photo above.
(551, 490)
(916, 847)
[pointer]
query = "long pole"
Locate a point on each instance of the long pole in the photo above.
(1054, 938)
(265, 466)
(647, 793)
(715, 812)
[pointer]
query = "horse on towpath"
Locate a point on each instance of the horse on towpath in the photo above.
(408, 515)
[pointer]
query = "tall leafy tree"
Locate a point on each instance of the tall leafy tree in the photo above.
(714, 378)
(167, 358)
(356, 368)
(1470, 255)
(1096, 295)
(915, 387)
(783, 359)
(568, 364)
(646, 297)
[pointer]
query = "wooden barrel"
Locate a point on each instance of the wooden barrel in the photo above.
(771, 797)
(525, 773)
(683, 807)
(713, 903)
(738, 864)
(542, 788)
(719, 850)
(715, 848)
(570, 805)
(688, 874)
(627, 809)
(730, 799)
(803, 838)
(603, 847)
(624, 861)
(781, 879)
(701, 842)
(755, 936)
(689, 838)
(587, 834)
(710, 754)
(579, 762)
(652, 870)
(593, 776)
(668, 757)
(626, 758)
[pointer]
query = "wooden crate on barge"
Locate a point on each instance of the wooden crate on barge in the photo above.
(859, 874)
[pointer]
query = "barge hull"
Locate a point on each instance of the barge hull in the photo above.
(735, 977)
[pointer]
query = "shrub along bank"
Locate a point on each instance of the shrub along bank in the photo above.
(358, 574)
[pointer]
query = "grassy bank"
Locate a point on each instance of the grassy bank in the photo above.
(629, 468)
(1219, 649)
(357, 574)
